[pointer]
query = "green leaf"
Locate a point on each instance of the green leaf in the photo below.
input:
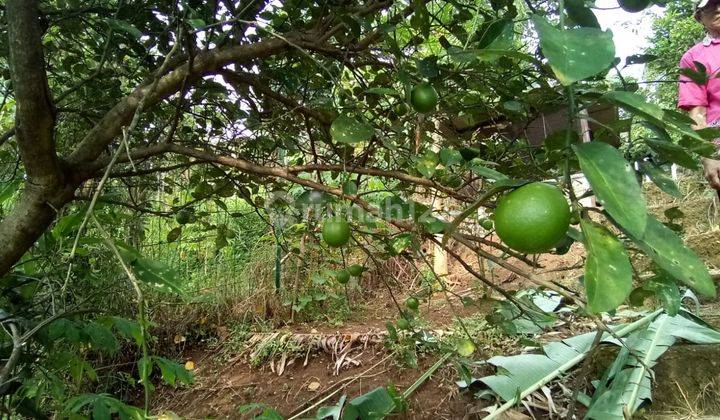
(701, 147)
(64, 328)
(394, 207)
(575, 54)
(9, 189)
(669, 253)
(376, 404)
(666, 291)
(614, 184)
(674, 153)
(629, 377)
(100, 337)
(128, 329)
(491, 30)
(350, 188)
(636, 104)
(383, 91)
(172, 372)
(608, 273)
(174, 234)
(485, 172)
(664, 182)
(101, 411)
(349, 130)
(154, 273)
(581, 14)
(123, 26)
(197, 23)
(402, 242)
(334, 411)
(450, 157)
(433, 224)
(427, 163)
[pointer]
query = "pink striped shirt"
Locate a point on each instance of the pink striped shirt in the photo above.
(692, 94)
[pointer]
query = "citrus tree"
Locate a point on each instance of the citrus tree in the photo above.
(360, 113)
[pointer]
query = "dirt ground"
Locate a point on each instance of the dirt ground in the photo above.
(226, 381)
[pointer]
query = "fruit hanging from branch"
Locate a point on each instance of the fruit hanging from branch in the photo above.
(355, 270)
(423, 98)
(336, 232)
(533, 218)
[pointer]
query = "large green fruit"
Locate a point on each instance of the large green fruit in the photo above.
(402, 324)
(412, 303)
(342, 276)
(355, 270)
(336, 231)
(533, 218)
(634, 6)
(423, 98)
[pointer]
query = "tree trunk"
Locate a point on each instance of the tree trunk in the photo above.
(31, 216)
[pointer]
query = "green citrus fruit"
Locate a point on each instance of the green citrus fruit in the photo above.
(336, 231)
(403, 324)
(486, 224)
(355, 270)
(465, 347)
(423, 98)
(633, 6)
(342, 276)
(532, 218)
(183, 217)
(412, 303)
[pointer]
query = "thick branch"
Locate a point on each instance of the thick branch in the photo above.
(34, 112)
(210, 62)
(6, 136)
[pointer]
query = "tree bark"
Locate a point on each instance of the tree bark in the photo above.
(34, 112)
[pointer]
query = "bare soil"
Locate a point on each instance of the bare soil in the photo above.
(225, 380)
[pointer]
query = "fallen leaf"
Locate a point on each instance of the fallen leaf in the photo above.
(314, 386)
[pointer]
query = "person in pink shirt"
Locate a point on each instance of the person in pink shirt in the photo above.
(702, 101)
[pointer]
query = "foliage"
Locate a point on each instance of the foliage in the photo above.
(156, 153)
(625, 386)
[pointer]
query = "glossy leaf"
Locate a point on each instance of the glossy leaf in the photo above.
(664, 182)
(669, 253)
(575, 54)
(614, 184)
(608, 273)
(9, 189)
(347, 129)
(666, 291)
(376, 404)
(673, 153)
(581, 14)
(636, 104)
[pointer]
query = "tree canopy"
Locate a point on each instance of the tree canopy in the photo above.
(120, 112)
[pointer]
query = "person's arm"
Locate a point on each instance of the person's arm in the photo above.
(699, 115)
(711, 167)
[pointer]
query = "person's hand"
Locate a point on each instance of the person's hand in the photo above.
(712, 172)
